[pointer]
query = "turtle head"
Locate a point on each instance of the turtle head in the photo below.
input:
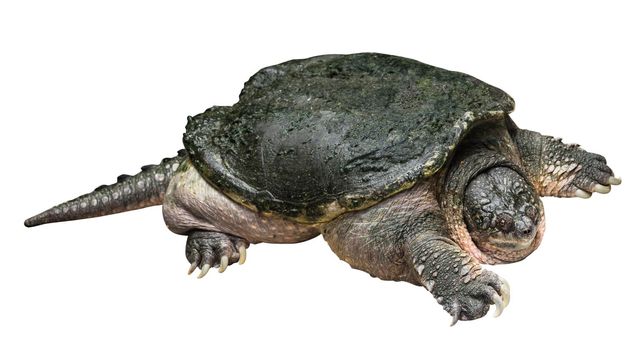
(502, 211)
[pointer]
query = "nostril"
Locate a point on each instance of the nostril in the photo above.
(525, 228)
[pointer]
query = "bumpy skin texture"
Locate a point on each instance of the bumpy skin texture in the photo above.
(560, 170)
(213, 249)
(501, 210)
(128, 193)
(456, 280)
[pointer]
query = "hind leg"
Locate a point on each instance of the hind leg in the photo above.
(205, 249)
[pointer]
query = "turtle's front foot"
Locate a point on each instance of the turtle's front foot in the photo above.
(472, 300)
(206, 249)
(570, 171)
(592, 174)
(563, 170)
(457, 281)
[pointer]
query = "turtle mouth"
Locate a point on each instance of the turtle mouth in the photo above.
(509, 242)
(519, 239)
(520, 236)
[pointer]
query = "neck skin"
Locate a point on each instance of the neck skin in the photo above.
(485, 148)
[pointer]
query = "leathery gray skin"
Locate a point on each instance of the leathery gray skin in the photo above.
(483, 207)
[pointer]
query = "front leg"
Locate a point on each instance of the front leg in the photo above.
(404, 238)
(456, 279)
(561, 170)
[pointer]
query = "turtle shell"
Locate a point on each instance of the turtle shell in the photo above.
(310, 139)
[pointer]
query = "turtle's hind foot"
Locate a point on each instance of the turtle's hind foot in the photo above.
(214, 249)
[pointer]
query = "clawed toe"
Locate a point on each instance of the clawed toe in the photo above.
(504, 291)
(601, 189)
(212, 249)
(498, 304)
(583, 194)
(612, 180)
(242, 250)
(204, 270)
(224, 261)
(502, 298)
(192, 267)
(491, 290)
(456, 314)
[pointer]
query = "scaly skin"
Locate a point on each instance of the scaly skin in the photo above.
(506, 219)
(214, 249)
(561, 170)
(144, 189)
(456, 279)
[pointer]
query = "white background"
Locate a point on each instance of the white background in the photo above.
(88, 92)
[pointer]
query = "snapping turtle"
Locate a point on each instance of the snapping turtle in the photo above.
(409, 171)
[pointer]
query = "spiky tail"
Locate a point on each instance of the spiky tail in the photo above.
(142, 190)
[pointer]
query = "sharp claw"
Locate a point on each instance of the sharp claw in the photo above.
(612, 180)
(456, 314)
(204, 270)
(582, 194)
(505, 292)
(192, 267)
(223, 263)
(601, 189)
(498, 303)
(243, 254)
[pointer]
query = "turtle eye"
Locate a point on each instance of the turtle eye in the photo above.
(531, 212)
(505, 222)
